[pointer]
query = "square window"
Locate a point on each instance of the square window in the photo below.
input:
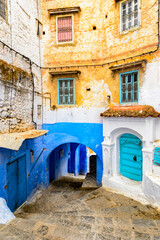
(129, 14)
(66, 91)
(3, 9)
(129, 87)
(64, 29)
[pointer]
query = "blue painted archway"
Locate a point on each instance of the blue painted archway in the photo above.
(88, 134)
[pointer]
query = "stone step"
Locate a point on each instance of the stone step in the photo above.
(62, 227)
(29, 229)
(10, 232)
(85, 222)
(89, 182)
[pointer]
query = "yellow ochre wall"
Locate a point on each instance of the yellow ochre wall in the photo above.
(105, 44)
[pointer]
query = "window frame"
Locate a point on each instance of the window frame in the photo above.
(139, 18)
(62, 79)
(65, 15)
(120, 86)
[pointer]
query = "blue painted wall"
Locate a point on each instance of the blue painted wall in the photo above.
(58, 162)
(67, 158)
(71, 165)
(37, 172)
(83, 160)
(34, 176)
(88, 134)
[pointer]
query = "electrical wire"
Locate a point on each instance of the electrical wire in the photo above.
(87, 65)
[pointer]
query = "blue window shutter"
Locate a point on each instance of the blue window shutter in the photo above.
(65, 97)
(133, 90)
(156, 159)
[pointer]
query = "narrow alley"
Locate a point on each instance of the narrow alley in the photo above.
(65, 211)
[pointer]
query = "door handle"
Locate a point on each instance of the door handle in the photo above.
(135, 158)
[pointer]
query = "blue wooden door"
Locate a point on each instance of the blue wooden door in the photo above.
(12, 185)
(22, 181)
(131, 157)
(16, 186)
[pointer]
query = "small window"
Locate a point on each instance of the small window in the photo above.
(64, 29)
(3, 9)
(39, 111)
(66, 91)
(129, 87)
(129, 14)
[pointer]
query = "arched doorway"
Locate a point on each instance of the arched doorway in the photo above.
(131, 157)
(72, 159)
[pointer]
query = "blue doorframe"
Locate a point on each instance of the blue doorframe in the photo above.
(131, 157)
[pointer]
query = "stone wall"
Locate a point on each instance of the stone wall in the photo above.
(19, 31)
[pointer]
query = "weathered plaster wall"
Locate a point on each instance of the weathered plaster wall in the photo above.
(104, 44)
(150, 88)
(19, 31)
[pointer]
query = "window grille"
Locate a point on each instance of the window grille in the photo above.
(64, 29)
(65, 91)
(129, 87)
(129, 14)
(3, 8)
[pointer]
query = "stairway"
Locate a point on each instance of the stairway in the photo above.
(65, 212)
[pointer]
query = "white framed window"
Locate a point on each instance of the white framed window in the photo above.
(64, 29)
(129, 15)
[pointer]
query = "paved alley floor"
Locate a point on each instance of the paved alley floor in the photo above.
(66, 212)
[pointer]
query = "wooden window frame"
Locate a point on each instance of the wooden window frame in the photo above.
(60, 16)
(131, 28)
(132, 90)
(58, 95)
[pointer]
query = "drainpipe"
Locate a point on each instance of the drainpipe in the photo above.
(33, 99)
(40, 60)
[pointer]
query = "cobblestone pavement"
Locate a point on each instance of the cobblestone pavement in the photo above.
(66, 212)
